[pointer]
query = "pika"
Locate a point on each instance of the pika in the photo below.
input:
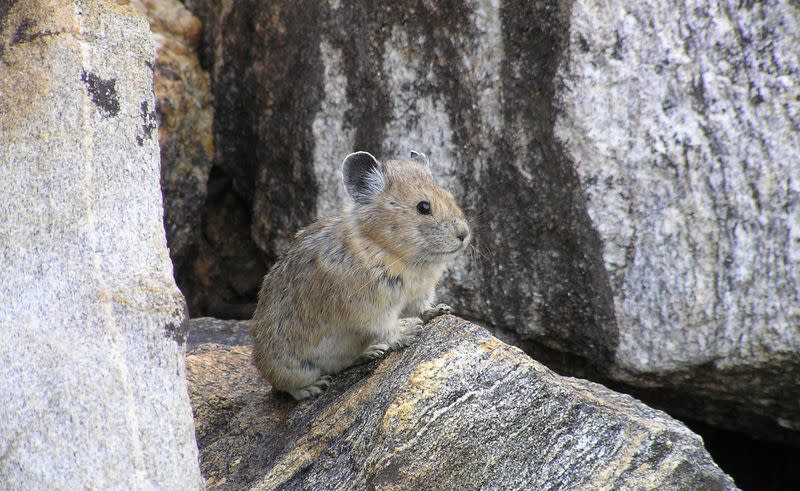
(334, 299)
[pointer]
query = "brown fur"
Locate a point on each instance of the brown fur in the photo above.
(336, 295)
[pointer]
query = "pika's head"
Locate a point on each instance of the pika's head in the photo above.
(398, 205)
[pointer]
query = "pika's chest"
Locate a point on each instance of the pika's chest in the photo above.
(404, 288)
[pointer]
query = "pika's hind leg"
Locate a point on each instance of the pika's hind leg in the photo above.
(300, 379)
(314, 389)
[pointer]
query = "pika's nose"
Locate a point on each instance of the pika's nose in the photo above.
(462, 231)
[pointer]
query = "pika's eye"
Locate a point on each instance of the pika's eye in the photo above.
(424, 208)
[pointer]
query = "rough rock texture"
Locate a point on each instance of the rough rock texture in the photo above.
(457, 410)
(185, 118)
(694, 189)
(210, 330)
(631, 172)
(92, 379)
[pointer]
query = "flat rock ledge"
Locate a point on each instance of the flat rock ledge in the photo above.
(458, 409)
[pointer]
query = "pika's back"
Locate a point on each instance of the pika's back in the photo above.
(321, 263)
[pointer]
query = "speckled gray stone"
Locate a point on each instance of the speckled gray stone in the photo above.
(92, 387)
(458, 409)
(682, 120)
(204, 330)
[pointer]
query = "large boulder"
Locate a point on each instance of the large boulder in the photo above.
(631, 172)
(92, 378)
(458, 409)
(683, 125)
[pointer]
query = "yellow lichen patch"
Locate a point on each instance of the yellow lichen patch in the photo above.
(490, 344)
(421, 384)
(137, 294)
(499, 350)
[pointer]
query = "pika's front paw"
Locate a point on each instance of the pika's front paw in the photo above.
(441, 309)
(408, 335)
(315, 389)
(373, 352)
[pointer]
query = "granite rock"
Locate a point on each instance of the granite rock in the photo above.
(206, 330)
(458, 409)
(682, 121)
(92, 377)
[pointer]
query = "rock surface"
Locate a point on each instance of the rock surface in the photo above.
(631, 172)
(456, 410)
(185, 119)
(204, 330)
(688, 159)
(92, 378)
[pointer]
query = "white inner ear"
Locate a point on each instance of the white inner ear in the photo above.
(373, 184)
(419, 157)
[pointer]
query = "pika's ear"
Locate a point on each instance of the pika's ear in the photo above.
(362, 176)
(419, 157)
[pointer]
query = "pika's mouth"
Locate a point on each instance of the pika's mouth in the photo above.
(445, 253)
